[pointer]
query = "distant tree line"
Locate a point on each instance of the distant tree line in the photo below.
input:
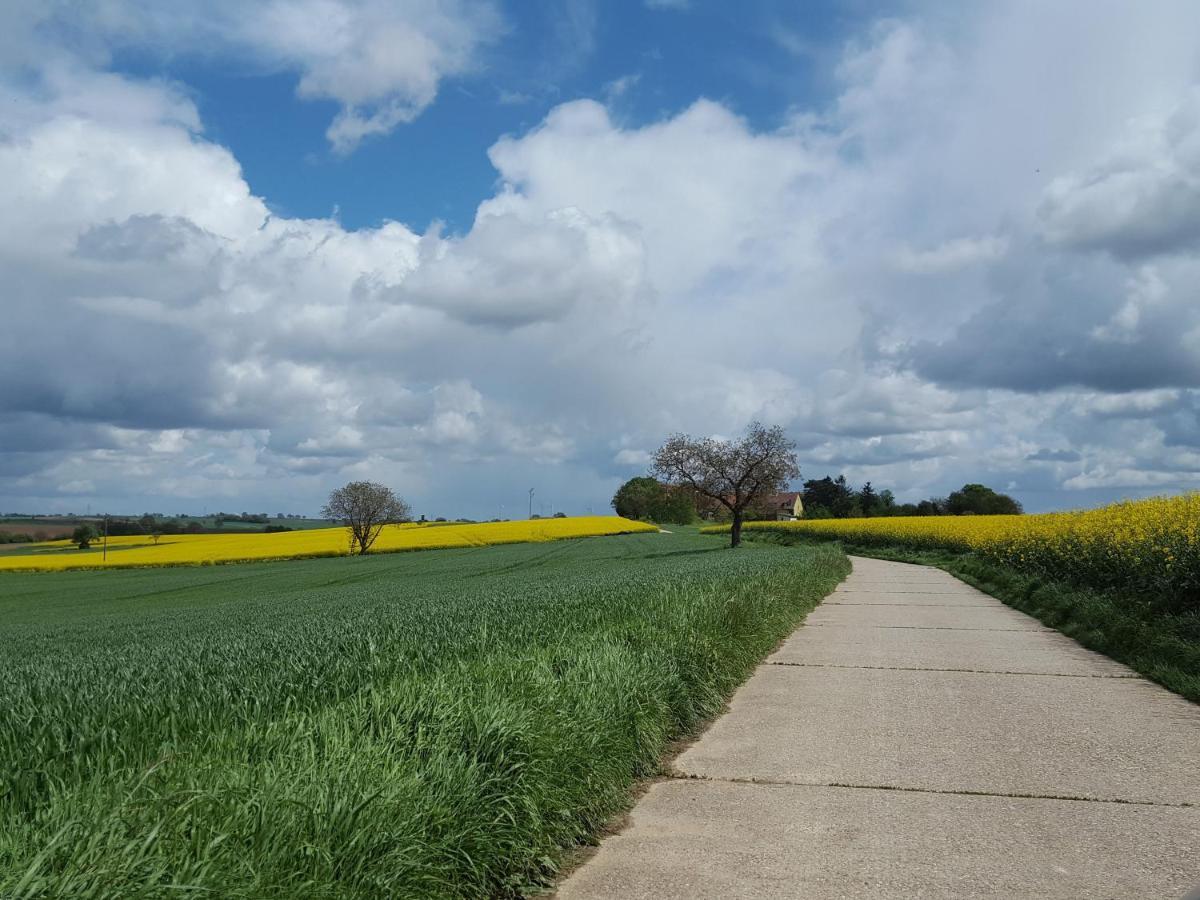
(649, 499)
(249, 518)
(833, 498)
(148, 524)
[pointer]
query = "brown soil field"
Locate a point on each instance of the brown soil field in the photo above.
(41, 530)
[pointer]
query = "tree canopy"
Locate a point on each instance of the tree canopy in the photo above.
(364, 508)
(977, 499)
(83, 535)
(827, 497)
(735, 474)
(644, 497)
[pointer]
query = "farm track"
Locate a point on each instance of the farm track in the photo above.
(918, 738)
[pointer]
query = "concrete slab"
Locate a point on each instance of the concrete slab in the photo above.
(914, 615)
(691, 840)
(1048, 653)
(864, 565)
(1100, 738)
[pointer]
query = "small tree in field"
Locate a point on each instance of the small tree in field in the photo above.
(83, 535)
(364, 507)
(734, 474)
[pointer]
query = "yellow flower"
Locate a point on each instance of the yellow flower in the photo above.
(208, 549)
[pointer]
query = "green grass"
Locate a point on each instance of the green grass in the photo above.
(445, 723)
(1154, 637)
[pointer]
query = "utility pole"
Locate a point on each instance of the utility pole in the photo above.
(531, 503)
(104, 553)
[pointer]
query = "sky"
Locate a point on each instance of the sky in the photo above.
(250, 252)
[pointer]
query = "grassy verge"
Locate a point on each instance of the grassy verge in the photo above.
(1156, 639)
(439, 724)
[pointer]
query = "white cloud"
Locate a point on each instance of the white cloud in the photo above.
(956, 253)
(1104, 477)
(515, 269)
(1136, 404)
(685, 274)
(631, 457)
(382, 61)
(1143, 199)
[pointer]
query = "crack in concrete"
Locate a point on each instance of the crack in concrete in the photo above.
(780, 782)
(796, 665)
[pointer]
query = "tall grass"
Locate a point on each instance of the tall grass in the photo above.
(437, 724)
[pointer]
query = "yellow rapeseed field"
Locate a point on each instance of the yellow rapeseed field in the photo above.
(1144, 545)
(207, 549)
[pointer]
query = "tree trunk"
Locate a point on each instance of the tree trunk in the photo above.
(735, 530)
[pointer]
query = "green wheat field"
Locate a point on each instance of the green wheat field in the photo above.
(448, 723)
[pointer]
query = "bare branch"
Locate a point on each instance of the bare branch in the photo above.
(733, 473)
(364, 508)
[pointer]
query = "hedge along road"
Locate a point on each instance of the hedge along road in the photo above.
(916, 737)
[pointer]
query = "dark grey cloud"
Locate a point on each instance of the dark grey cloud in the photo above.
(1181, 425)
(23, 432)
(1047, 455)
(139, 238)
(1061, 320)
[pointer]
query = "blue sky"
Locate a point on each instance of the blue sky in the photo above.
(760, 59)
(466, 247)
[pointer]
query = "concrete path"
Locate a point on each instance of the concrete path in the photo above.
(917, 738)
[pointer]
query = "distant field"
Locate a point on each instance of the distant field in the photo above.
(39, 528)
(47, 528)
(437, 724)
(204, 549)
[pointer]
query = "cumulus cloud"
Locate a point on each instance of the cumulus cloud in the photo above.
(1142, 199)
(381, 61)
(953, 254)
(513, 270)
(1057, 322)
(1046, 454)
(901, 276)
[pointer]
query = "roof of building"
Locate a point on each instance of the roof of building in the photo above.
(785, 499)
